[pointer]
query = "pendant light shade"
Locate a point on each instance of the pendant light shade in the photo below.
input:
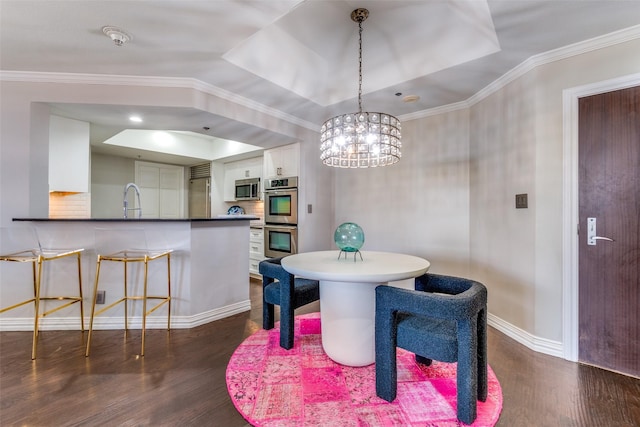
(363, 139)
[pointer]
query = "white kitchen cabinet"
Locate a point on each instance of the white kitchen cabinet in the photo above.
(231, 173)
(256, 249)
(69, 155)
(241, 169)
(161, 190)
(282, 161)
(250, 168)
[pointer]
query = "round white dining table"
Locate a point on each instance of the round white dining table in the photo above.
(347, 296)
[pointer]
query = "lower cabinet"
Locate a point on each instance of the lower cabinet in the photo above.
(256, 249)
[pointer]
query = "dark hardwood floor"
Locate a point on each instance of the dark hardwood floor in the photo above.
(181, 380)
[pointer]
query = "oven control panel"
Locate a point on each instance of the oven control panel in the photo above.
(278, 183)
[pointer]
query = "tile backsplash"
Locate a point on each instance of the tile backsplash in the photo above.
(251, 208)
(69, 205)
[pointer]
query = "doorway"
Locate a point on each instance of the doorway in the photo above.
(600, 286)
(609, 218)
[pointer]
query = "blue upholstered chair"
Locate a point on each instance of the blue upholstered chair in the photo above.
(289, 292)
(445, 319)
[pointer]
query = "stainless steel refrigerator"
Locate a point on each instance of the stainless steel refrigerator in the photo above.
(200, 198)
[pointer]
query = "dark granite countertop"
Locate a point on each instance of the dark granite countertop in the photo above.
(226, 218)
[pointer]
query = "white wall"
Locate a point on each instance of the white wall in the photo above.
(208, 281)
(24, 156)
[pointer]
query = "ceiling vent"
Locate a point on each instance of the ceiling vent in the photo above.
(201, 171)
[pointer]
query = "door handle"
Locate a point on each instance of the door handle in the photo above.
(591, 233)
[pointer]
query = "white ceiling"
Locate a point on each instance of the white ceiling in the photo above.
(297, 57)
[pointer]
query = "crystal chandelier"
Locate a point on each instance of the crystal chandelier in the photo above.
(363, 139)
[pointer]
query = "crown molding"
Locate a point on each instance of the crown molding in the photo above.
(611, 39)
(559, 54)
(434, 111)
(151, 81)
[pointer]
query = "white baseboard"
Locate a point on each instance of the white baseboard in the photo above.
(106, 322)
(541, 345)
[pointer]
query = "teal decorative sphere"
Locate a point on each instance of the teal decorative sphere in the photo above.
(349, 237)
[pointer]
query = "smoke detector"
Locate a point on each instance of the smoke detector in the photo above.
(119, 37)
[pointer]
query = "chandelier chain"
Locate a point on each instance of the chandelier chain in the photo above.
(360, 66)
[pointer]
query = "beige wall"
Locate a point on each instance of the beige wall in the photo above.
(599, 65)
(503, 164)
(421, 204)
(451, 198)
(517, 147)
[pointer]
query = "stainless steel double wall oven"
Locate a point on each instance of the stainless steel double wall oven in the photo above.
(281, 217)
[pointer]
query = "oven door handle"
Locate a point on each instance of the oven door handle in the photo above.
(280, 227)
(282, 191)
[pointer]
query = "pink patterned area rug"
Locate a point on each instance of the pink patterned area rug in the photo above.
(274, 387)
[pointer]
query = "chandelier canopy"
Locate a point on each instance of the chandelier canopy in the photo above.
(363, 139)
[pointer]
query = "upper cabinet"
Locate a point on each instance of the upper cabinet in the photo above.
(69, 155)
(282, 161)
(241, 169)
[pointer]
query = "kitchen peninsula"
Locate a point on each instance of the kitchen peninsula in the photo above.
(209, 266)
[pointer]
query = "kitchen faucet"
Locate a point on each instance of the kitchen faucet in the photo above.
(125, 203)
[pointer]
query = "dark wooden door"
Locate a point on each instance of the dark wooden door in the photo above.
(609, 191)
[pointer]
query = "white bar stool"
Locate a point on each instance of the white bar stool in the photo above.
(21, 244)
(129, 246)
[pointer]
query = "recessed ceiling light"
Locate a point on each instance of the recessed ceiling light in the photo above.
(135, 119)
(411, 98)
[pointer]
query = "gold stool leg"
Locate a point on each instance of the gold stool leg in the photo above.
(169, 291)
(34, 345)
(126, 299)
(80, 292)
(144, 302)
(93, 306)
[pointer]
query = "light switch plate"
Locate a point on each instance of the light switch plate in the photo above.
(522, 201)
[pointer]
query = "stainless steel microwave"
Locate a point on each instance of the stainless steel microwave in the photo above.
(248, 189)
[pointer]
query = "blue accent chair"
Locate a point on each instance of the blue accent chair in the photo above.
(445, 319)
(281, 288)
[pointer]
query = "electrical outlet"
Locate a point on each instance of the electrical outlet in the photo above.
(100, 297)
